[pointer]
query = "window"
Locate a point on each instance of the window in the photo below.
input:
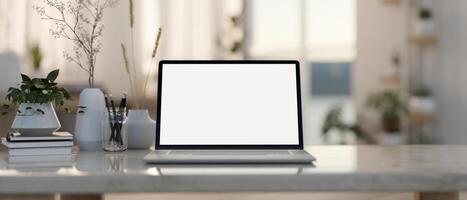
(320, 33)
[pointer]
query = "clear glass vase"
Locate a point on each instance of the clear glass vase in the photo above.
(115, 136)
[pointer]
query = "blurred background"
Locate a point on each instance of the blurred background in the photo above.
(373, 71)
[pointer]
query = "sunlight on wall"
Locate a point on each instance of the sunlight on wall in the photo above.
(331, 29)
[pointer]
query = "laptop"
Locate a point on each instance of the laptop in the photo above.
(228, 112)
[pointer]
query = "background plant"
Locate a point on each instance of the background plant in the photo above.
(37, 90)
(388, 103)
(422, 92)
(334, 121)
(36, 56)
(79, 21)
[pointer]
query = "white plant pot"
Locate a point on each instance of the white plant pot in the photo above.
(424, 27)
(36, 119)
(88, 127)
(393, 138)
(422, 104)
(141, 129)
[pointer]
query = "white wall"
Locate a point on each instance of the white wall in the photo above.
(451, 75)
(380, 30)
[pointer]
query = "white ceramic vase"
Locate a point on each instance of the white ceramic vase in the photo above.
(36, 119)
(393, 138)
(141, 129)
(422, 104)
(424, 27)
(88, 127)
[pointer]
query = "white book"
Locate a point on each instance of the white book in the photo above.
(15, 145)
(40, 151)
(40, 159)
(54, 166)
(60, 136)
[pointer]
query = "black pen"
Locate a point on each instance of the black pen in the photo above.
(121, 111)
(114, 117)
(122, 106)
(109, 116)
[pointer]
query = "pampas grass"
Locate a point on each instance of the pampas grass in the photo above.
(153, 56)
(127, 69)
(132, 18)
(138, 89)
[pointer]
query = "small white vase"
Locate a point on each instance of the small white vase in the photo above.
(36, 119)
(88, 127)
(141, 129)
(424, 27)
(393, 138)
(422, 104)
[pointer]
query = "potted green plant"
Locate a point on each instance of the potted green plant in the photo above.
(36, 114)
(421, 100)
(334, 122)
(391, 108)
(424, 24)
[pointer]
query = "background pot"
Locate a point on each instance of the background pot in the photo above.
(88, 128)
(393, 139)
(424, 27)
(422, 104)
(36, 119)
(141, 129)
(391, 124)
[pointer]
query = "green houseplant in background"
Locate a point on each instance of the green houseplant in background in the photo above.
(36, 114)
(35, 55)
(424, 25)
(334, 122)
(422, 101)
(391, 108)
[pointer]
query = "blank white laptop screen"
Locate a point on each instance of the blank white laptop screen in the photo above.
(229, 104)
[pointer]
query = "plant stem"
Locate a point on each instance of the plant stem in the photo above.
(153, 57)
(136, 98)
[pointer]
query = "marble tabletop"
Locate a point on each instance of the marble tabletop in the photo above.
(338, 168)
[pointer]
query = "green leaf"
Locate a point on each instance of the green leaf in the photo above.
(6, 106)
(25, 78)
(65, 93)
(28, 108)
(4, 112)
(52, 76)
(40, 111)
(67, 110)
(38, 83)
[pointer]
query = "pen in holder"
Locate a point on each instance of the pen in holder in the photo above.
(113, 126)
(115, 134)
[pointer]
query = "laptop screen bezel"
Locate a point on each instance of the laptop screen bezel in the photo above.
(158, 146)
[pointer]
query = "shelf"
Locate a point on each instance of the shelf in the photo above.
(419, 118)
(392, 2)
(423, 40)
(391, 81)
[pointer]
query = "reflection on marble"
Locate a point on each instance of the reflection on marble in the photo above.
(338, 168)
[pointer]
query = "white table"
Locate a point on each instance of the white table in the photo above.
(431, 172)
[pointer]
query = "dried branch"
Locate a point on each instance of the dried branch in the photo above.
(84, 30)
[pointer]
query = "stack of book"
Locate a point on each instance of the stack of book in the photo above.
(51, 150)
